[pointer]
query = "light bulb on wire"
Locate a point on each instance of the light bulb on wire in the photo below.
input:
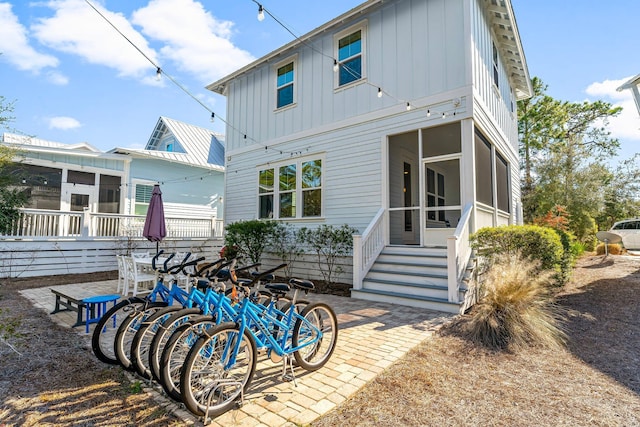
(408, 107)
(213, 117)
(260, 13)
(336, 67)
(379, 93)
(158, 74)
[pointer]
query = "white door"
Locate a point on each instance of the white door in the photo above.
(77, 197)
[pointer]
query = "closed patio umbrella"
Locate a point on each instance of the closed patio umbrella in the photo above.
(154, 226)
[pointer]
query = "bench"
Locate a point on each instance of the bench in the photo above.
(69, 303)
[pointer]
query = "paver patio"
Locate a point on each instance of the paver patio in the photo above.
(371, 337)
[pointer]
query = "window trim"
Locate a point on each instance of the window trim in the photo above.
(495, 61)
(298, 192)
(291, 59)
(362, 26)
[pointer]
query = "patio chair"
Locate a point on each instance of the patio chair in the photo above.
(137, 278)
(123, 286)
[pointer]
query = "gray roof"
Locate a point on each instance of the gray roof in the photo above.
(25, 140)
(194, 145)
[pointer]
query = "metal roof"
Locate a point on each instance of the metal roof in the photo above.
(196, 146)
(11, 138)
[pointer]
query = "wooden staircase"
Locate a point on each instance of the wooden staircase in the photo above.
(413, 276)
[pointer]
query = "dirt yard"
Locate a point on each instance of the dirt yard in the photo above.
(49, 376)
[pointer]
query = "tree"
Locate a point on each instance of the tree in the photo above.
(12, 198)
(564, 146)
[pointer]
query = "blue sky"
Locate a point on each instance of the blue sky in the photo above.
(75, 79)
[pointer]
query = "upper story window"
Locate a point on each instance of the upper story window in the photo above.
(291, 190)
(495, 64)
(350, 48)
(285, 84)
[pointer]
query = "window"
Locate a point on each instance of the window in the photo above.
(143, 196)
(298, 193)
(350, 48)
(435, 195)
(284, 84)
(495, 64)
(77, 177)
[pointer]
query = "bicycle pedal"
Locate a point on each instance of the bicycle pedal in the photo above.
(287, 378)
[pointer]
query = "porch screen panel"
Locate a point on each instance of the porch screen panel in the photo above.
(43, 184)
(109, 194)
(502, 181)
(484, 177)
(441, 140)
(77, 177)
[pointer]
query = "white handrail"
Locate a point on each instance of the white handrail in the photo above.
(53, 223)
(367, 247)
(458, 254)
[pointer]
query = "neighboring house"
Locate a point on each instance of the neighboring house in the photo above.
(634, 85)
(398, 118)
(187, 161)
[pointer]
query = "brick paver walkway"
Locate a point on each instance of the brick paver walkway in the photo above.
(371, 337)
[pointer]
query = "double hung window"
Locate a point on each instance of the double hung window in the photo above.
(291, 190)
(285, 81)
(350, 48)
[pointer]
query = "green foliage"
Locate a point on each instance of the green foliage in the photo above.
(515, 309)
(329, 243)
(251, 237)
(285, 243)
(539, 244)
(135, 387)
(564, 150)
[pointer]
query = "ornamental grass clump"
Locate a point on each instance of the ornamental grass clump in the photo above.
(515, 310)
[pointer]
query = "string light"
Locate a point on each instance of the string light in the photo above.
(336, 67)
(428, 113)
(260, 13)
(379, 93)
(213, 117)
(408, 107)
(158, 74)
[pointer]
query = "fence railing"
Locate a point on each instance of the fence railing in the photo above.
(367, 247)
(51, 223)
(458, 254)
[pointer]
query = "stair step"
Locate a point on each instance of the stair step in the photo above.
(397, 283)
(432, 303)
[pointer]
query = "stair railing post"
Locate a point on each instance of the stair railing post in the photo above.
(357, 261)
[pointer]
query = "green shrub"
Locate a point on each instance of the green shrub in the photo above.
(329, 243)
(515, 309)
(536, 243)
(286, 244)
(251, 237)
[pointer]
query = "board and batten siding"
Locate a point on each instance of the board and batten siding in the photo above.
(497, 100)
(413, 49)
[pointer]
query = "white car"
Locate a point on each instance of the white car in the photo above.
(629, 230)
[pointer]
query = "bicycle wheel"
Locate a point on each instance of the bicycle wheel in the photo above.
(163, 334)
(128, 329)
(140, 345)
(176, 350)
(104, 334)
(318, 333)
(211, 380)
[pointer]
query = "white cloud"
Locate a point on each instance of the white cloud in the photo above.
(77, 29)
(15, 47)
(63, 123)
(627, 124)
(57, 79)
(194, 40)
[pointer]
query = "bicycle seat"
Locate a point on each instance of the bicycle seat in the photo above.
(280, 288)
(305, 285)
(202, 284)
(267, 277)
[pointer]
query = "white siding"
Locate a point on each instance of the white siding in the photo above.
(414, 49)
(496, 100)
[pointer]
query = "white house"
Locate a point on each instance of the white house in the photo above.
(398, 118)
(633, 85)
(187, 161)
